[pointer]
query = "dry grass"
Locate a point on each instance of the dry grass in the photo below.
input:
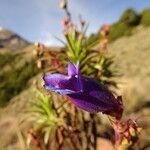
(133, 63)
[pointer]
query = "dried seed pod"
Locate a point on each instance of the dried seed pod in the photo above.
(63, 4)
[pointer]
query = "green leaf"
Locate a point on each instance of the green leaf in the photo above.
(47, 135)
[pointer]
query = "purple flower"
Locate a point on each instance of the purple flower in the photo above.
(84, 92)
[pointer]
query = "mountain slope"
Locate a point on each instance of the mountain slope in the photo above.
(9, 39)
(132, 59)
(17, 69)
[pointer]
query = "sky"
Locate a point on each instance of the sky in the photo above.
(40, 20)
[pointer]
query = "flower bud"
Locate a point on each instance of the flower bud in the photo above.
(65, 22)
(63, 4)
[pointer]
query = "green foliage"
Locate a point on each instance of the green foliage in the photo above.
(93, 37)
(77, 44)
(118, 30)
(124, 27)
(7, 58)
(15, 80)
(92, 62)
(45, 116)
(105, 69)
(128, 21)
(130, 17)
(145, 17)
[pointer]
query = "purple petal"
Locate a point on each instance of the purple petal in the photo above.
(55, 81)
(62, 84)
(72, 70)
(94, 98)
(60, 91)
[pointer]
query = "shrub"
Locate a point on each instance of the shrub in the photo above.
(15, 80)
(7, 58)
(118, 30)
(145, 17)
(130, 17)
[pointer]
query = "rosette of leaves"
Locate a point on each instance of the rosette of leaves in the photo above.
(93, 63)
(46, 120)
(58, 125)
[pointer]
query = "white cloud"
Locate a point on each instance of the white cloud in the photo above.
(48, 39)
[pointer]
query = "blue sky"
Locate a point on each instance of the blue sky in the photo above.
(38, 20)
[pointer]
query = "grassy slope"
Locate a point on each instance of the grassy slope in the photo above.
(132, 60)
(133, 63)
(16, 69)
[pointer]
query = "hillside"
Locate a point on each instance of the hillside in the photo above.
(17, 68)
(131, 60)
(10, 40)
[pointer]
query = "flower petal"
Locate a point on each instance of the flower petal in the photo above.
(95, 97)
(60, 91)
(72, 70)
(62, 84)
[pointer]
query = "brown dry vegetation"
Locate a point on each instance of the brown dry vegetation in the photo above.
(133, 62)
